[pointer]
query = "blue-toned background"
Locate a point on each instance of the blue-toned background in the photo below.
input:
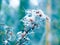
(12, 11)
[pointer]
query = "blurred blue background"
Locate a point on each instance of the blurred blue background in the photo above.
(12, 11)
